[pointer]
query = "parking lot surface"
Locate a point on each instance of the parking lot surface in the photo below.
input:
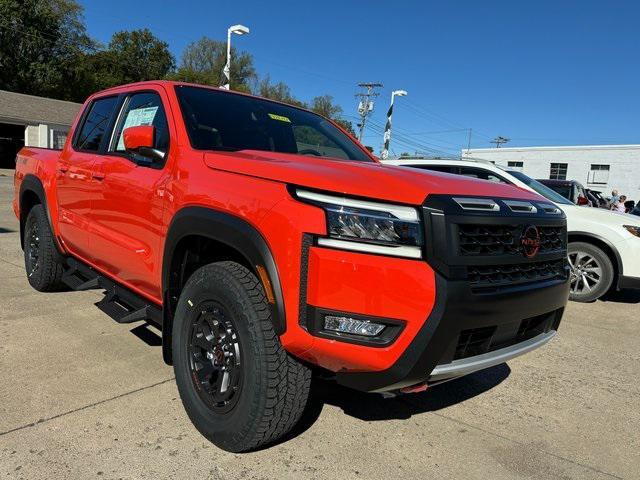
(84, 397)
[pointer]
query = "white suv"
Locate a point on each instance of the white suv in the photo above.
(604, 247)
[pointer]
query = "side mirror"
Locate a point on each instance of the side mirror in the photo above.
(582, 200)
(140, 140)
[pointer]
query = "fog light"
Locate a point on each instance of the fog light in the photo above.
(353, 326)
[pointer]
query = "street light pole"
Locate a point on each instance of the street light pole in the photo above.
(387, 129)
(238, 30)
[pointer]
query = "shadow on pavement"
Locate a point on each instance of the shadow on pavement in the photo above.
(622, 296)
(6, 230)
(374, 407)
(148, 336)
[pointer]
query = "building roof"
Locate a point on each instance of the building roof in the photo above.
(548, 148)
(29, 109)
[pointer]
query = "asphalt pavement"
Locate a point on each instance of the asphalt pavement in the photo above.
(84, 397)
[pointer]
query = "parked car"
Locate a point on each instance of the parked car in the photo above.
(569, 189)
(604, 248)
(598, 199)
(267, 244)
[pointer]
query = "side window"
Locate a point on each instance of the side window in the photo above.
(95, 124)
(438, 168)
(482, 174)
(143, 109)
(311, 141)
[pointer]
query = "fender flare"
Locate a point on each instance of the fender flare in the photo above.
(31, 183)
(232, 231)
(601, 239)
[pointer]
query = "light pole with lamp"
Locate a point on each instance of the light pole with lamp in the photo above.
(238, 30)
(387, 128)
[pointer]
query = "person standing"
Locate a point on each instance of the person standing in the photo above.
(613, 199)
(619, 205)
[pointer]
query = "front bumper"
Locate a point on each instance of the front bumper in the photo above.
(625, 281)
(506, 323)
(465, 366)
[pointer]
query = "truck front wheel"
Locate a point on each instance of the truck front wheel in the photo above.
(42, 261)
(239, 387)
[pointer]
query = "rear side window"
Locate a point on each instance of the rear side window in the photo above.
(481, 174)
(144, 109)
(436, 168)
(95, 124)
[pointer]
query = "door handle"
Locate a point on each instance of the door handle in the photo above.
(63, 169)
(98, 176)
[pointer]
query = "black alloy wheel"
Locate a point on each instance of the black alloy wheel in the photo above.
(215, 358)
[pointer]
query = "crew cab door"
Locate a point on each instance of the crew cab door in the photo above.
(127, 223)
(75, 185)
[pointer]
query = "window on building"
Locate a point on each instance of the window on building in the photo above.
(598, 174)
(58, 137)
(517, 166)
(95, 124)
(558, 171)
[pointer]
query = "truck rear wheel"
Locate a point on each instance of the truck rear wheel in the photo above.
(239, 387)
(42, 261)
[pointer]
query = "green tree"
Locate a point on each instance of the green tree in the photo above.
(325, 106)
(41, 43)
(203, 61)
(277, 91)
(136, 56)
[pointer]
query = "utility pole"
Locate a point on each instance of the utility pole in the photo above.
(469, 140)
(499, 141)
(365, 106)
(387, 128)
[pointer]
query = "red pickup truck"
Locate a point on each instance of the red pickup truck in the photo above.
(268, 245)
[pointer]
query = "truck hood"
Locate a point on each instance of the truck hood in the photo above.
(372, 180)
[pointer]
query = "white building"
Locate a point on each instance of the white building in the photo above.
(598, 167)
(32, 121)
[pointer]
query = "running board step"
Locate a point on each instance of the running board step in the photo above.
(122, 313)
(78, 277)
(120, 303)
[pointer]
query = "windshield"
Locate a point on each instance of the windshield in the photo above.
(218, 120)
(540, 188)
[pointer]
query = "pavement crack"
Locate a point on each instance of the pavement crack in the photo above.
(503, 437)
(85, 407)
(10, 263)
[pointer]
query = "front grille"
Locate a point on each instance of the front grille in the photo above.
(474, 341)
(493, 277)
(490, 240)
(477, 341)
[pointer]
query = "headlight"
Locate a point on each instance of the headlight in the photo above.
(633, 230)
(367, 226)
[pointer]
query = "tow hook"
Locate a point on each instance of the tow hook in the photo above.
(420, 387)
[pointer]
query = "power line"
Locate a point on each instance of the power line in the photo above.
(412, 144)
(499, 141)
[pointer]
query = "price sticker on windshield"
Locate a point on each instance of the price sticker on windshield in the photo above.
(279, 117)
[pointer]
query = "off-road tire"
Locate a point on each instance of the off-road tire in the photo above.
(45, 273)
(605, 277)
(274, 387)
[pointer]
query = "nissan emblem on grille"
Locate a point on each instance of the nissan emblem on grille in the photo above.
(530, 241)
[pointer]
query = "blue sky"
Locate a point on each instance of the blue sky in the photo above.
(539, 72)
